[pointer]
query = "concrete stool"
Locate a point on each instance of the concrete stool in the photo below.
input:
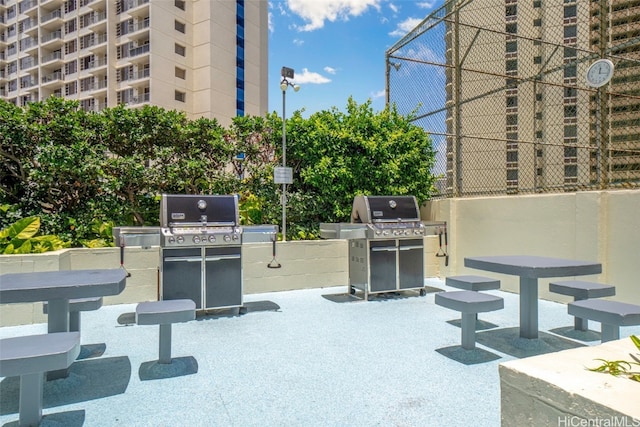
(473, 283)
(582, 290)
(75, 307)
(30, 357)
(610, 314)
(164, 313)
(469, 303)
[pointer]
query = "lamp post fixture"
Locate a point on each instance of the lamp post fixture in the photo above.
(286, 176)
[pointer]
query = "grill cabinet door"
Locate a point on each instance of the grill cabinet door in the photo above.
(411, 263)
(223, 277)
(182, 274)
(382, 265)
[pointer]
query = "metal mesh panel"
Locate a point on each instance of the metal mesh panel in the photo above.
(501, 87)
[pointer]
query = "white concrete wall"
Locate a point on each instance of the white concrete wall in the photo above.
(601, 226)
(304, 264)
(557, 390)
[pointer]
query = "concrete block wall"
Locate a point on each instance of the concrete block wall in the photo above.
(304, 264)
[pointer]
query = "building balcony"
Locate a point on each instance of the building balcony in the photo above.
(52, 20)
(50, 80)
(28, 7)
(52, 40)
(52, 59)
(49, 4)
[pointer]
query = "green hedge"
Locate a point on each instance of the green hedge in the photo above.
(78, 171)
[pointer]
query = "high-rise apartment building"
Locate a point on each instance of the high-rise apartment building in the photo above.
(519, 113)
(207, 58)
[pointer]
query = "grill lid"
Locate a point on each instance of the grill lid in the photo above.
(371, 209)
(198, 210)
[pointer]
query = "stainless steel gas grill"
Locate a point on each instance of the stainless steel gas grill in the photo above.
(386, 244)
(201, 250)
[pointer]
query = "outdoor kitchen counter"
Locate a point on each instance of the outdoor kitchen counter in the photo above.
(530, 269)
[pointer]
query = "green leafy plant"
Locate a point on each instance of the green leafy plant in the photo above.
(621, 367)
(20, 238)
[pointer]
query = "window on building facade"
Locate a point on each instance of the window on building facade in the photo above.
(180, 4)
(570, 31)
(511, 46)
(570, 11)
(180, 96)
(511, 10)
(570, 71)
(180, 73)
(180, 50)
(180, 26)
(570, 170)
(570, 111)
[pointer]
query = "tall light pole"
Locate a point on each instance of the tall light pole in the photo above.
(284, 175)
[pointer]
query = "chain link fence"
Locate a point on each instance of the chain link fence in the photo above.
(501, 86)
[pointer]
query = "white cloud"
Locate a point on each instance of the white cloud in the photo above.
(393, 8)
(330, 70)
(316, 12)
(298, 42)
(426, 4)
(378, 94)
(309, 77)
(405, 26)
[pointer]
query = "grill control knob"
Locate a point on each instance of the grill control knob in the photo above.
(172, 239)
(235, 237)
(227, 238)
(212, 238)
(196, 239)
(407, 232)
(180, 239)
(385, 232)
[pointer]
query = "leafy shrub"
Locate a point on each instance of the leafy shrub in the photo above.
(20, 238)
(82, 172)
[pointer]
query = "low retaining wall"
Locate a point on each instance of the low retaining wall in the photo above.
(305, 264)
(557, 390)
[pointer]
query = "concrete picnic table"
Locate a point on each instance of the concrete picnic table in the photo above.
(530, 268)
(57, 288)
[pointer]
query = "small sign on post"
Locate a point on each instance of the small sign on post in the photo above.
(282, 175)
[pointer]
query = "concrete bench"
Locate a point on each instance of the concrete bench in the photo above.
(469, 303)
(581, 290)
(75, 307)
(610, 314)
(30, 357)
(473, 283)
(164, 313)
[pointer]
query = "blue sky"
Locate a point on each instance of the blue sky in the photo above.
(336, 48)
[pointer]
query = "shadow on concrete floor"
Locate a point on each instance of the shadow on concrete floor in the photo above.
(60, 419)
(571, 332)
(467, 357)
(508, 341)
(178, 367)
(88, 380)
